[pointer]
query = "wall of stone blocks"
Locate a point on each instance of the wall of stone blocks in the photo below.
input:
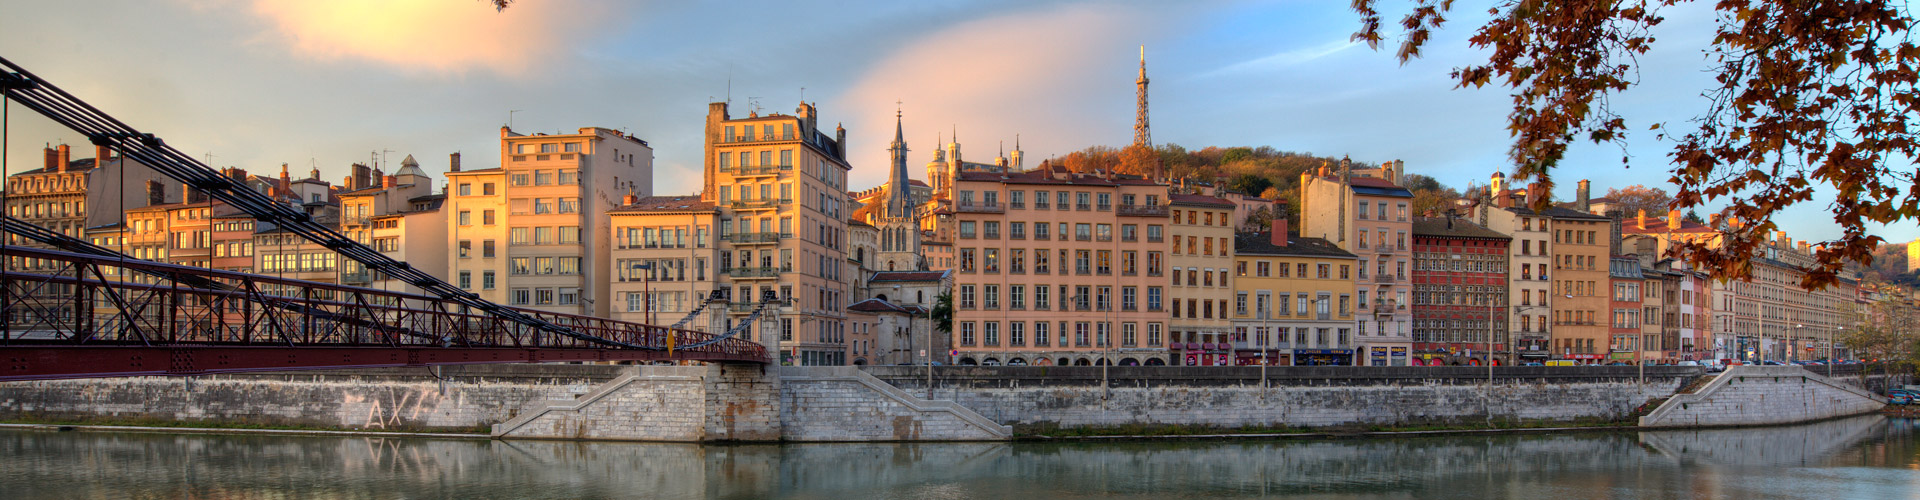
(1763, 395)
(820, 403)
(646, 403)
(1292, 397)
(459, 398)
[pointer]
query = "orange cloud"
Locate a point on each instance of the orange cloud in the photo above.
(1062, 78)
(435, 36)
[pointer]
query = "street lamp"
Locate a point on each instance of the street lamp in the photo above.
(647, 297)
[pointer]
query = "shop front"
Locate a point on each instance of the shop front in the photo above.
(1327, 357)
(1257, 357)
(1202, 353)
(1584, 359)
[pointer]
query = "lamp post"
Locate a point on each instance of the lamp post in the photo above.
(1797, 329)
(1830, 360)
(647, 297)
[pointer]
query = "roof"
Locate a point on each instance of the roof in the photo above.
(73, 166)
(479, 171)
(1458, 228)
(1378, 187)
(1047, 176)
(877, 306)
(1262, 244)
(1658, 225)
(858, 222)
(901, 276)
(1194, 199)
(672, 204)
(1558, 212)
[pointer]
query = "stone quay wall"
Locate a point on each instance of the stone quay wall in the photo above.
(459, 398)
(842, 403)
(1290, 397)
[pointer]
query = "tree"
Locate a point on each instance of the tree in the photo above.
(1886, 335)
(1637, 197)
(1261, 219)
(1694, 217)
(1249, 184)
(1807, 94)
(1432, 201)
(1137, 160)
(943, 312)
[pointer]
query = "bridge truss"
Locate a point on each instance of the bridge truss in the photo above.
(82, 310)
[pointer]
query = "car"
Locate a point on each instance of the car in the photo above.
(1899, 399)
(1772, 363)
(1533, 363)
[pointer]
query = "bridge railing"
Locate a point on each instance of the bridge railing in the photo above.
(50, 296)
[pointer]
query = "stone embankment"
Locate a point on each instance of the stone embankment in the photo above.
(1763, 395)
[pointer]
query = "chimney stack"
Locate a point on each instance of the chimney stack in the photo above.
(1399, 170)
(1641, 220)
(101, 154)
(453, 162)
(66, 155)
(1535, 193)
(51, 161)
(1673, 220)
(188, 194)
(156, 193)
(630, 199)
(1713, 220)
(1581, 199)
(1279, 236)
(386, 182)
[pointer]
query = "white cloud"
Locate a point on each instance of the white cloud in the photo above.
(431, 36)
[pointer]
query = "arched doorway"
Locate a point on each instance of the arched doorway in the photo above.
(1064, 362)
(1101, 362)
(1081, 362)
(968, 362)
(1156, 362)
(1017, 362)
(1042, 362)
(1129, 362)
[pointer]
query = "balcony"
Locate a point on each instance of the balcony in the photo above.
(762, 170)
(1017, 205)
(979, 209)
(357, 220)
(754, 205)
(753, 238)
(755, 272)
(1083, 207)
(740, 139)
(1384, 278)
(1383, 249)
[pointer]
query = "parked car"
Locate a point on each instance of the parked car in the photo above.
(1533, 363)
(1899, 398)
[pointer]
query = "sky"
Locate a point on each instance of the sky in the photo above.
(258, 83)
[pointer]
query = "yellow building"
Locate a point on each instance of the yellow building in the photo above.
(475, 207)
(664, 254)
(1291, 303)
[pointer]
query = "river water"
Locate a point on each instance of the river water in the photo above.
(1863, 457)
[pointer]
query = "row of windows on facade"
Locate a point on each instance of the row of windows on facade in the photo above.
(548, 147)
(1303, 337)
(1071, 334)
(42, 183)
(1080, 231)
(1080, 297)
(1469, 263)
(666, 236)
(1459, 295)
(520, 266)
(1459, 331)
(746, 133)
(560, 296)
(1400, 211)
(1085, 262)
(1265, 269)
(1267, 305)
(48, 209)
(746, 159)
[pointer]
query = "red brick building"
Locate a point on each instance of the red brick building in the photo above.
(1459, 293)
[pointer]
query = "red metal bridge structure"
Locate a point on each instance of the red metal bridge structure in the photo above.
(71, 309)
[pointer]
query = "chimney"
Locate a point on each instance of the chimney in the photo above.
(1673, 220)
(156, 193)
(630, 199)
(453, 162)
(386, 181)
(1781, 236)
(101, 154)
(1642, 219)
(283, 174)
(66, 155)
(1581, 199)
(1279, 236)
(1399, 170)
(1713, 220)
(52, 160)
(187, 194)
(1535, 193)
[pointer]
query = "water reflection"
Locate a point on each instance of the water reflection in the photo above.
(1868, 457)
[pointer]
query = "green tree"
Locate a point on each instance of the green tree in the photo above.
(1249, 184)
(943, 312)
(1807, 95)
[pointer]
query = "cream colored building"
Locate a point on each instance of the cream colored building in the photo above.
(1287, 311)
(780, 184)
(664, 258)
(1365, 212)
(1528, 258)
(557, 191)
(476, 208)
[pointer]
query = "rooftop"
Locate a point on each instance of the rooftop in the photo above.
(1262, 244)
(1194, 199)
(903, 276)
(654, 204)
(1453, 227)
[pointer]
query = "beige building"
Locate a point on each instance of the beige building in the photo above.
(1365, 212)
(68, 196)
(1582, 282)
(1530, 255)
(369, 206)
(664, 256)
(911, 339)
(1199, 254)
(1056, 267)
(780, 185)
(543, 214)
(416, 236)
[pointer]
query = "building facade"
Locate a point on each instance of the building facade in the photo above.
(1460, 285)
(1290, 306)
(1368, 217)
(1199, 253)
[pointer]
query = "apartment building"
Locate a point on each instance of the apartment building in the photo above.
(780, 185)
(537, 221)
(1582, 283)
(1460, 285)
(1365, 212)
(1628, 285)
(1529, 255)
(68, 196)
(1055, 267)
(1199, 253)
(371, 209)
(1290, 306)
(664, 257)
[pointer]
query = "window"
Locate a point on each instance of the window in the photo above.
(466, 280)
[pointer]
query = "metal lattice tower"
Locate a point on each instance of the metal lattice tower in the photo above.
(1142, 136)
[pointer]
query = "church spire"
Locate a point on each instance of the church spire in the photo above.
(899, 203)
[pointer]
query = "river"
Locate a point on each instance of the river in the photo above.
(1863, 457)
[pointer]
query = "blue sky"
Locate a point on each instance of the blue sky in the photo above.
(257, 83)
